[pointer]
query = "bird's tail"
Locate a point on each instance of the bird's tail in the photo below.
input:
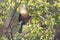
(20, 30)
(21, 26)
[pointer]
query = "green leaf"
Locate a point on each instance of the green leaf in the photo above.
(13, 3)
(9, 1)
(2, 5)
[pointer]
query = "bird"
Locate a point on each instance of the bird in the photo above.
(24, 17)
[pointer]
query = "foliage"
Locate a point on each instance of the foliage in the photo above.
(41, 11)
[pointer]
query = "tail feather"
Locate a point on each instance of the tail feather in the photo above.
(21, 26)
(20, 30)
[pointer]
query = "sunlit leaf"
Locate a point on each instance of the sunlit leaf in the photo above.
(46, 22)
(13, 3)
(59, 5)
(9, 1)
(59, 17)
(2, 5)
(18, 9)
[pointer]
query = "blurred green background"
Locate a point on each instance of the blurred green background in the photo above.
(44, 24)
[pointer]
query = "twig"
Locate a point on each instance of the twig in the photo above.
(11, 33)
(6, 32)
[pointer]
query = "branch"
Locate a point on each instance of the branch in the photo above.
(9, 26)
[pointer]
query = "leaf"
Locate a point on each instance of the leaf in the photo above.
(46, 22)
(13, 3)
(58, 5)
(1, 22)
(2, 5)
(59, 17)
(18, 9)
(9, 1)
